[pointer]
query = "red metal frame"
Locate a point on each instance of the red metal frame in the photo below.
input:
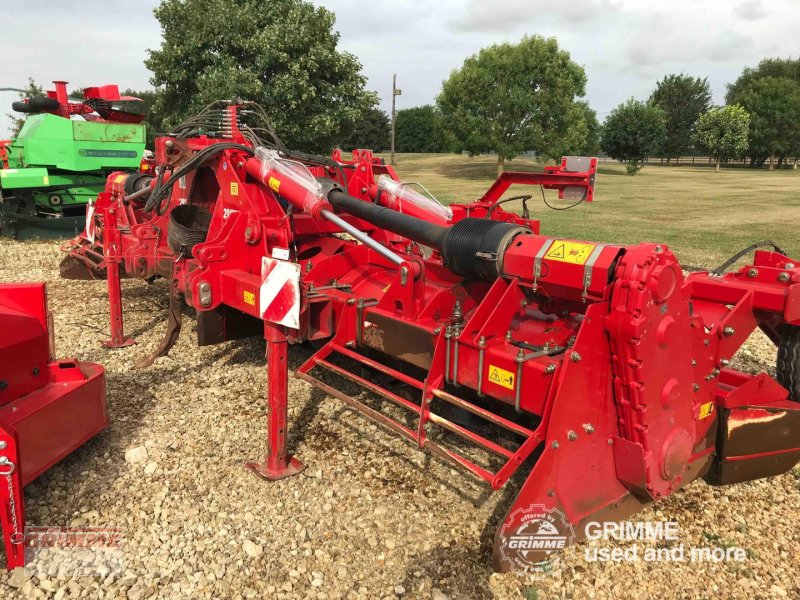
(48, 407)
(603, 357)
(4, 153)
(99, 100)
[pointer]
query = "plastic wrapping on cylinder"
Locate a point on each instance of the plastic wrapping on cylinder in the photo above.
(292, 180)
(396, 196)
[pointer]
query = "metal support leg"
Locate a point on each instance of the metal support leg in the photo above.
(278, 464)
(111, 241)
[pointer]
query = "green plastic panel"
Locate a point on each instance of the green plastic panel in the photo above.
(51, 141)
(86, 131)
(15, 179)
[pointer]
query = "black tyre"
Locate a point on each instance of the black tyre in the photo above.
(788, 364)
(36, 105)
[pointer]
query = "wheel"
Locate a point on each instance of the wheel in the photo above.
(788, 364)
(36, 105)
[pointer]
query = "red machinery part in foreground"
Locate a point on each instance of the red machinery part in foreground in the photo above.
(48, 407)
(484, 342)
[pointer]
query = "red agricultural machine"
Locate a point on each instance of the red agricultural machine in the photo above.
(468, 332)
(48, 407)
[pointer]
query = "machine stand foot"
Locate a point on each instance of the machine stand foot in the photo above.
(128, 341)
(292, 467)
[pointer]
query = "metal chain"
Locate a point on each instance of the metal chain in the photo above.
(16, 536)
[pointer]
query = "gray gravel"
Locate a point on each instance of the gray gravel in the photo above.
(370, 518)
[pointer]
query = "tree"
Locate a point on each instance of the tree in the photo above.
(683, 99)
(633, 132)
(723, 132)
(280, 53)
(419, 129)
(32, 90)
(741, 91)
(583, 134)
(786, 68)
(774, 107)
(149, 107)
(509, 98)
(372, 131)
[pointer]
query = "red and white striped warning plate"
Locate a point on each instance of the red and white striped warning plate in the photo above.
(89, 229)
(279, 295)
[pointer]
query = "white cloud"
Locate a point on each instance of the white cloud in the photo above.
(624, 45)
(750, 10)
(483, 16)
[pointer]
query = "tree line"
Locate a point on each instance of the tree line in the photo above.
(760, 119)
(507, 99)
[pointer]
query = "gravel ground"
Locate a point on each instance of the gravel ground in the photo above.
(370, 518)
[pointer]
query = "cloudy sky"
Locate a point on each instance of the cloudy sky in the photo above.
(624, 45)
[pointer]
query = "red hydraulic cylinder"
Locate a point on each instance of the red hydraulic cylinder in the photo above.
(277, 464)
(291, 181)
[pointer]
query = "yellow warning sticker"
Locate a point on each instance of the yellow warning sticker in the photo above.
(249, 298)
(274, 185)
(576, 253)
(120, 178)
(234, 188)
(501, 377)
(706, 410)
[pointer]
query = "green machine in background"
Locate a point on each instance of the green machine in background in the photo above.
(60, 159)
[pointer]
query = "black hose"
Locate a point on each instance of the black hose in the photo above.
(161, 192)
(471, 247)
(548, 205)
(428, 234)
(724, 266)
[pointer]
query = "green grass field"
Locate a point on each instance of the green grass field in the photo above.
(703, 216)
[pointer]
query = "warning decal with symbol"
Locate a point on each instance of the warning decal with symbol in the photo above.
(501, 377)
(576, 253)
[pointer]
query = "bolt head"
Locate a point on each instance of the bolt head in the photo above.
(752, 272)
(783, 277)
(588, 428)
(790, 265)
(3, 445)
(572, 436)
(728, 331)
(575, 357)
(554, 444)
(550, 368)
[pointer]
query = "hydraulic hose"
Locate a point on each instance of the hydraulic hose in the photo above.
(471, 247)
(428, 234)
